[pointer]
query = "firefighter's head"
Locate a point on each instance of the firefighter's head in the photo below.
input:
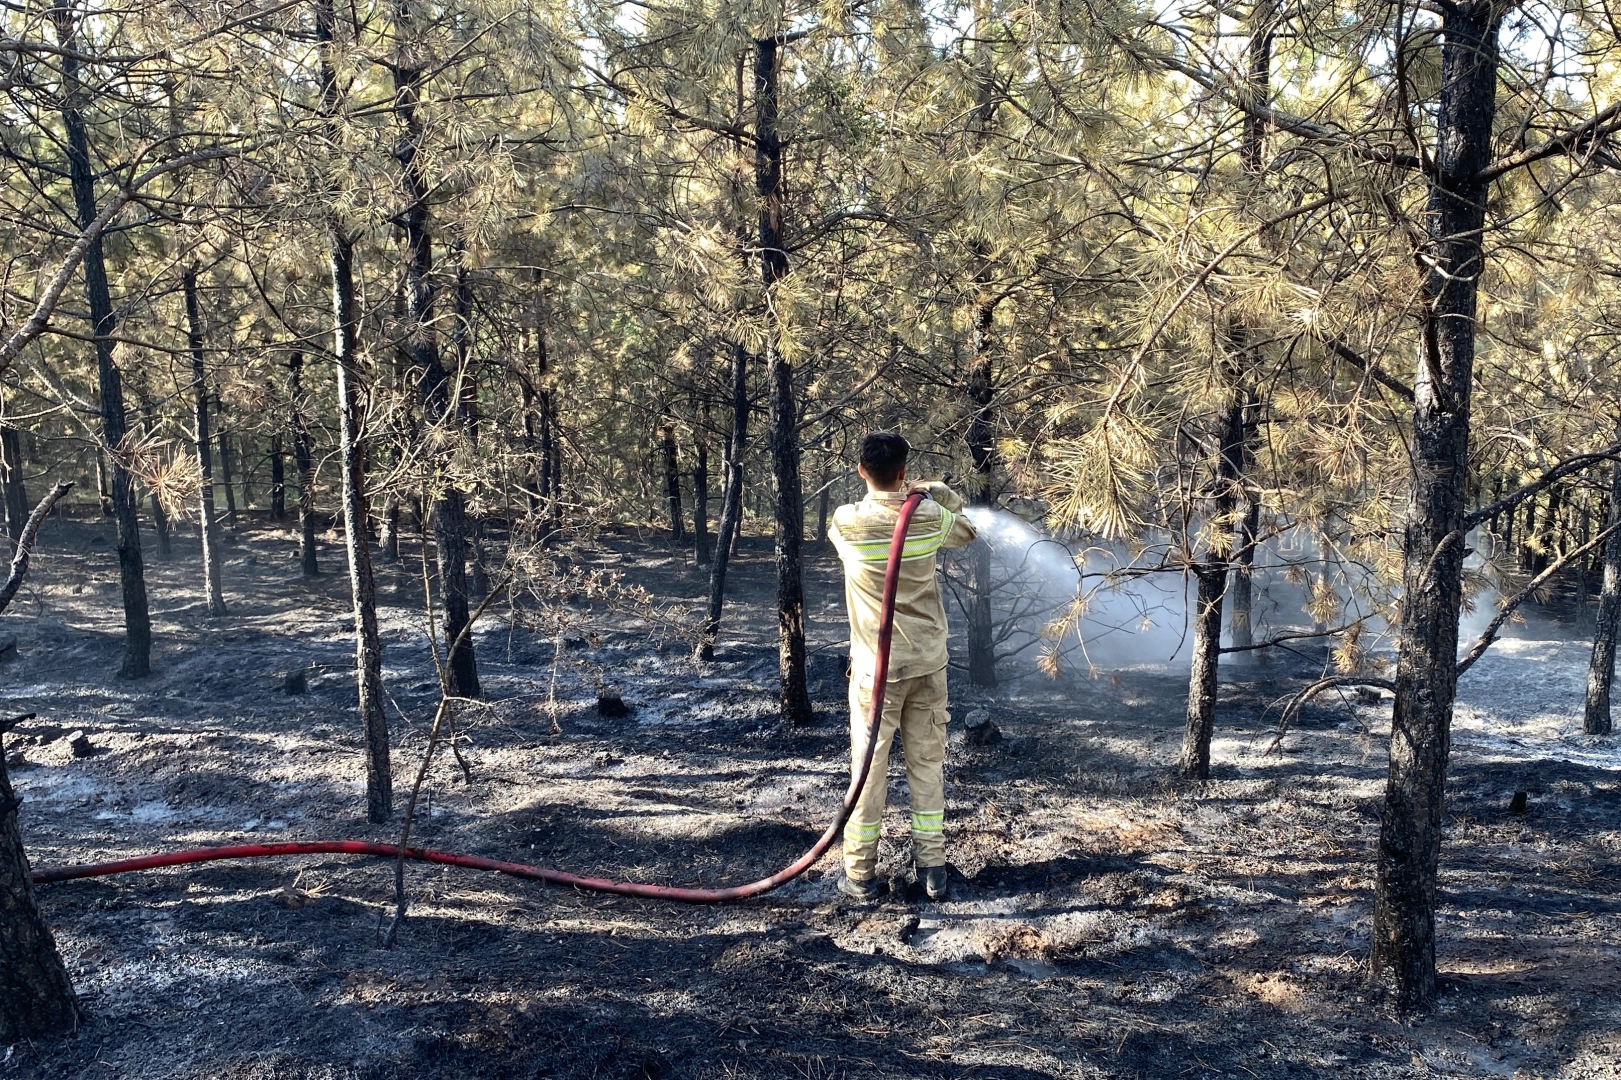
(883, 460)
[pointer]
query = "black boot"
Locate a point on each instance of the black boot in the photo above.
(936, 883)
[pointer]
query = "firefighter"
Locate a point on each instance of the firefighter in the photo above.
(915, 693)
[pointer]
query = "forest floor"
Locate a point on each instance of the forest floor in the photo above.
(1106, 920)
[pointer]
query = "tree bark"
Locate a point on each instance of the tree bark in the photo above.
(731, 506)
(1433, 542)
(352, 451)
(981, 378)
(700, 499)
(789, 509)
(1601, 669)
(278, 479)
(199, 386)
(672, 482)
(304, 461)
(36, 995)
(1211, 574)
(225, 463)
(160, 526)
(439, 406)
(16, 493)
(132, 576)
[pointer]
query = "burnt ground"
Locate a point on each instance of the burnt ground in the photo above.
(1106, 921)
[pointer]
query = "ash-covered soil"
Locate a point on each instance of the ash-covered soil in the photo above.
(1106, 920)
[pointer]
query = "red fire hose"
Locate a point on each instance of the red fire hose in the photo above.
(886, 628)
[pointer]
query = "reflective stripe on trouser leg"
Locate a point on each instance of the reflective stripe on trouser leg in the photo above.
(866, 820)
(923, 734)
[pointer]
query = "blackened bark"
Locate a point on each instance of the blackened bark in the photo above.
(160, 526)
(981, 382)
(467, 413)
(132, 575)
(352, 451)
(731, 505)
(11, 479)
(700, 499)
(1211, 574)
(789, 509)
(1433, 542)
(362, 587)
(104, 489)
(205, 466)
(824, 498)
(672, 482)
(1211, 577)
(225, 464)
(304, 461)
(1242, 589)
(981, 449)
(36, 996)
(1601, 669)
(278, 478)
(440, 406)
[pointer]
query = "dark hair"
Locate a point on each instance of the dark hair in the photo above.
(883, 455)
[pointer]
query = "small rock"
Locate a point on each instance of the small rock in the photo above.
(610, 704)
(297, 682)
(79, 743)
(1516, 805)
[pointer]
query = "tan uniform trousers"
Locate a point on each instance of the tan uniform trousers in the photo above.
(917, 707)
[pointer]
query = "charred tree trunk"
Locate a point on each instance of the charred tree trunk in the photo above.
(225, 464)
(132, 575)
(362, 587)
(700, 499)
(278, 479)
(16, 493)
(304, 461)
(1601, 669)
(790, 508)
(824, 496)
(205, 466)
(36, 995)
(731, 505)
(466, 392)
(1252, 153)
(439, 406)
(981, 394)
(160, 526)
(1433, 539)
(981, 378)
(672, 482)
(1211, 574)
(351, 417)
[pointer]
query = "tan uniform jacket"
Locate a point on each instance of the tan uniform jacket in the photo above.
(861, 532)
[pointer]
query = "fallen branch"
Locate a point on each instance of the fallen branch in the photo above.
(1300, 700)
(25, 543)
(1506, 610)
(1553, 475)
